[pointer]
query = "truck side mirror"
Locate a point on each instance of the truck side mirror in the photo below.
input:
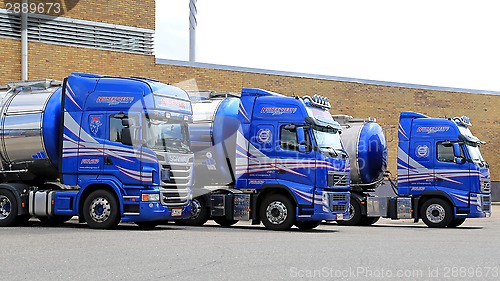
(126, 136)
(302, 148)
(301, 138)
(459, 159)
(125, 122)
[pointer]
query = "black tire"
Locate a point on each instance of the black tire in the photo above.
(8, 208)
(368, 220)
(101, 210)
(147, 224)
(54, 221)
(307, 225)
(277, 212)
(224, 222)
(436, 213)
(199, 213)
(355, 216)
(456, 222)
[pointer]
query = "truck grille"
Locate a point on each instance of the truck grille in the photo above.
(338, 179)
(175, 184)
(178, 175)
(486, 203)
(339, 208)
(175, 197)
(339, 197)
(485, 187)
(339, 202)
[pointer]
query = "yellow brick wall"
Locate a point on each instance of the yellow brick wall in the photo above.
(359, 100)
(137, 13)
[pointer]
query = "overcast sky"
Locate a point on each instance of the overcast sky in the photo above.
(450, 43)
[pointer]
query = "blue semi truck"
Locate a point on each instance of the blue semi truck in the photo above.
(268, 158)
(442, 176)
(105, 149)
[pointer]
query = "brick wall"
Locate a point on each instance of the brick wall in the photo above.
(137, 13)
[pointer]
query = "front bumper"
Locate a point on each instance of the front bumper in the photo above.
(155, 211)
(328, 206)
(480, 206)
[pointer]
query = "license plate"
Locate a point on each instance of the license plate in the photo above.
(340, 217)
(176, 212)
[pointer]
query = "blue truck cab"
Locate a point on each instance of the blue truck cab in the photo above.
(268, 157)
(106, 149)
(439, 158)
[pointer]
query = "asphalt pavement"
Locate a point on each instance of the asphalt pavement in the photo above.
(388, 250)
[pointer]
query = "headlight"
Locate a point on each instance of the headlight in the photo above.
(150, 197)
(325, 201)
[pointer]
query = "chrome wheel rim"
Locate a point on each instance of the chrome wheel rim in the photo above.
(276, 212)
(351, 213)
(5, 207)
(435, 213)
(100, 209)
(195, 209)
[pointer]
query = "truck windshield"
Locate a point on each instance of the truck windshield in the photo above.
(475, 154)
(167, 136)
(328, 140)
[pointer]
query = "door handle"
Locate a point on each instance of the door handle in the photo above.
(438, 179)
(108, 161)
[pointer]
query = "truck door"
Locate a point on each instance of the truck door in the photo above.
(294, 167)
(420, 172)
(450, 176)
(90, 152)
(261, 161)
(121, 161)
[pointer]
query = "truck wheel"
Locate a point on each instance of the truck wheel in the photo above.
(100, 210)
(8, 208)
(277, 212)
(456, 222)
(436, 212)
(369, 220)
(355, 216)
(199, 213)
(224, 222)
(54, 221)
(306, 225)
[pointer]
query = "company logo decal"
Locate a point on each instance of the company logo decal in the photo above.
(264, 135)
(278, 110)
(322, 114)
(166, 102)
(90, 161)
(115, 100)
(434, 129)
(95, 124)
(422, 151)
(256, 182)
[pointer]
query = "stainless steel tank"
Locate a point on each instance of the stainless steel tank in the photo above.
(23, 150)
(365, 143)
